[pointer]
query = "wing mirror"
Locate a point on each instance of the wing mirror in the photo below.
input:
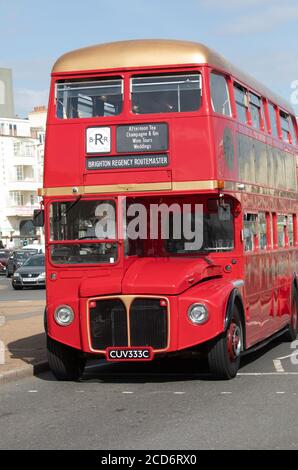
(38, 217)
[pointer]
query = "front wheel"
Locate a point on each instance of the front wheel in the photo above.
(224, 353)
(65, 362)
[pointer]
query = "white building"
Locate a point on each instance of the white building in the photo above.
(21, 173)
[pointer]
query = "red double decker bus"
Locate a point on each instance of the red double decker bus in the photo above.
(171, 126)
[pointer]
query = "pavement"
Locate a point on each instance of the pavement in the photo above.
(21, 332)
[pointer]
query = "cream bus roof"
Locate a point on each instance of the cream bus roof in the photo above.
(155, 52)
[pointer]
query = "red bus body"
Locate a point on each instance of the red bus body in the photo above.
(204, 150)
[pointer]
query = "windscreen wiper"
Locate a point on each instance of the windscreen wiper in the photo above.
(73, 204)
(59, 216)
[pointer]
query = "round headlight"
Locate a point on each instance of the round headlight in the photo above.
(198, 314)
(64, 315)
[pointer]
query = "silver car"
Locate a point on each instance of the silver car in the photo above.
(32, 273)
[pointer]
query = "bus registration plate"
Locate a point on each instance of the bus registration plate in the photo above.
(129, 354)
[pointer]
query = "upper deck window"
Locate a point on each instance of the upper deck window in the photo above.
(285, 126)
(89, 98)
(220, 98)
(166, 93)
(273, 124)
(241, 102)
(255, 111)
(292, 130)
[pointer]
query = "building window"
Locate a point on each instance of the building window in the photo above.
(17, 149)
(20, 172)
(33, 199)
(41, 137)
(220, 99)
(17, 198)
(272, 115)
(241, 102)
(249, 231)
(29, 150)
(255, 111)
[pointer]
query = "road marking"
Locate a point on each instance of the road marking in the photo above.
(127, 392)
(280, 393)
(32, 391)
(277, 362)
(288, 356)
(179, 393)
(266, 373)
(225, 393)
(278, 365)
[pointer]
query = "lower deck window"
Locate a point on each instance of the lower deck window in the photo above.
(250, 231)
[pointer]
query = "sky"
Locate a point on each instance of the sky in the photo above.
(259, 36)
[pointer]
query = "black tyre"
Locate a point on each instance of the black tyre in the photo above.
(224, 352)
(291, 334)
(65, 362)
(17, 287)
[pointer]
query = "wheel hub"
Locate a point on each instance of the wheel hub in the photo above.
(234, 341)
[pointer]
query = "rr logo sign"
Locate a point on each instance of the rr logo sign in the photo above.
(98, 140)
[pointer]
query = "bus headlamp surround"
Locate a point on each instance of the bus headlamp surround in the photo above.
(198, 314)
(64, 315)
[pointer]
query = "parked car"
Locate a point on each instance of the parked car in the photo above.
(4, 257)
(32, 273)
(17, 259)
(35, 246)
